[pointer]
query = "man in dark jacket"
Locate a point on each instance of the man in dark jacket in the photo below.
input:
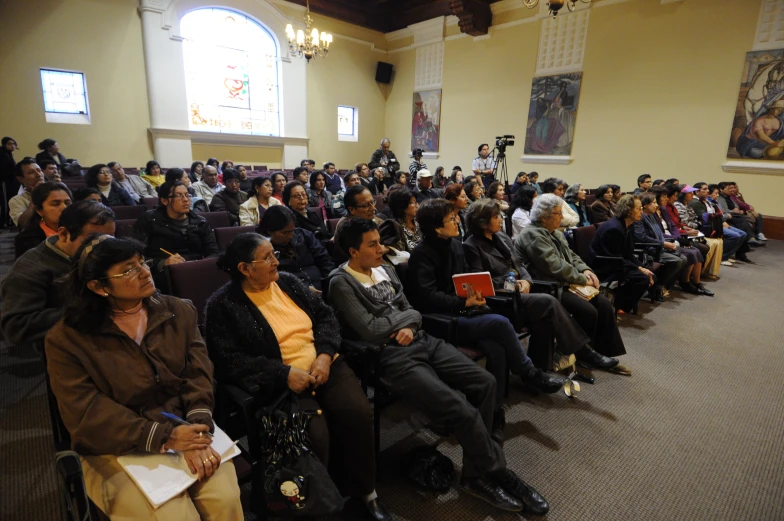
(230, 198)
(32, 292)
(441, 381)
(384, 158)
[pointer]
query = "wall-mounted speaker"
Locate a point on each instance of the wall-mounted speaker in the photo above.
(383, 72)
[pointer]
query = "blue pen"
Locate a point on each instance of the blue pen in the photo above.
(177, 419)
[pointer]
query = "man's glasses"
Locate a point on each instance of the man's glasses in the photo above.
(132, 273)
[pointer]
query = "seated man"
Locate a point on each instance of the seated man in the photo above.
(51, 171)
(20, 206)
(359, 204)
(754, 217)
(738, 217)
(427, 371)
(137, 187)
(644, 184)
(32, 292)
(230, 198)
(209, 185)
(424, 189)
(714, 224)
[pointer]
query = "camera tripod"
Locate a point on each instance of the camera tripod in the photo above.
(500, 164)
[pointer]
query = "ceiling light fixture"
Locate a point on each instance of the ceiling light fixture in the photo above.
(555, 5)
(308, 43)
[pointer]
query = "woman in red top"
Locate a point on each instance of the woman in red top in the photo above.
(672, 196)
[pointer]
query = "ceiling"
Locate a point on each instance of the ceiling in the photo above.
(391, 15)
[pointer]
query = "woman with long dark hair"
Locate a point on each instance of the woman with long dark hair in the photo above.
(318, 195)
(153, 174)
(278, 182)
(49, 149)
(402, 231)
(112, 194)
(259, 201)
(49, 200)
(522, 201)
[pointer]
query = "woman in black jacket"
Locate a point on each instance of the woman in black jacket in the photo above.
(269, 334)
(431, 290)
(173, 228)
(112, 194)
(299, 252)
(295, 197)
(51, 150)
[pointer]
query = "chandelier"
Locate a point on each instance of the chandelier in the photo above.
(554, 5)
(308, 43)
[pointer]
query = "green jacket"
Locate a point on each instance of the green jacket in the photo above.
(548, 257)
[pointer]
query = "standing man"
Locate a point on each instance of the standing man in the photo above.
(385, 158)
(29, 175)
(415, 166)
(483, 165)
(137, 187)
(209, 185)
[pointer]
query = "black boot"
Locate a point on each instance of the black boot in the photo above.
(499, 422)
(548, 383)
(591, 358)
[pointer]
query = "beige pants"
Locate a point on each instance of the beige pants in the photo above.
(712, 263)
(110, 488)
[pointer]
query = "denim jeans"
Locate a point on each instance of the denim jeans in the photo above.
(734, 242)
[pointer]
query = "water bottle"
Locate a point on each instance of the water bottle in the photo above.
(510, 283)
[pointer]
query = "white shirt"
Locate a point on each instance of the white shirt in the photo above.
(520, 219)
(205, 191)
(483, 164)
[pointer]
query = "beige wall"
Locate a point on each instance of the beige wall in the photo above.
(660, 83)
(272, 158)
(100, 38)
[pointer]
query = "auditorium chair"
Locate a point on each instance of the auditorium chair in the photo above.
(589, 199)
(124, 228)
(380, 203)
(151, 202)
(217, 219)
(261, 168)
(224, 236)
(128, 212)
(332, 225)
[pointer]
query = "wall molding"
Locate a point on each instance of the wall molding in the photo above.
(754, 167)
(216, 138)
(546, 160)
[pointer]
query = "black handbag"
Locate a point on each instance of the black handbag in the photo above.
(295, 483)
(428, 469)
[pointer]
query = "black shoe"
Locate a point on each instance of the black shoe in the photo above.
(491, 493)
(377, 510)
(548, 383)
(499, 422)
(703, 290)
(591, 358)
(743, 258)
(532, 500)
(688, 287)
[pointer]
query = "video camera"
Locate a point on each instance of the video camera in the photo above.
(503, 141)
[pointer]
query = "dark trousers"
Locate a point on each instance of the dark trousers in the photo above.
(740, 222)
(343, 434)
(434, 376)
(633, 285)
(597, 318)
(545, 318)
(495, 336)
(671, 266)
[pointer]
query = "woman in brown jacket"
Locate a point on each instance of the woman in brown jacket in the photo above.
(603, 208)
(120, 357)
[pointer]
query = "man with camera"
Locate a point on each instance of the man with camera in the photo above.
(483, 165)
(384, 158)
(415, 166)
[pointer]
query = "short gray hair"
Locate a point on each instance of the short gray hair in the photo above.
(543, 207)
(571, 193)
(386, 140)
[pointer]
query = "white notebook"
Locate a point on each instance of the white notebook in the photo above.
(163, 476)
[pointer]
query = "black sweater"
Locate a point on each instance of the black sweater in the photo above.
(430, 270)
(243, 346)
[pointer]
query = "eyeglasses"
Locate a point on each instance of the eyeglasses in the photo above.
(132, 273)
(268, 259)
(180, 196)
(300, 195)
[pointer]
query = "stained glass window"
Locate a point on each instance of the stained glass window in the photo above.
(64, 92)
(231, 73)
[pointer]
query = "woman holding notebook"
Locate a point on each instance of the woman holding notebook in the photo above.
(122, 356)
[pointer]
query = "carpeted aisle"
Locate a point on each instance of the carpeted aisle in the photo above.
(694, 434)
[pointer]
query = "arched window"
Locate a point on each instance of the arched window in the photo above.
(231, 73)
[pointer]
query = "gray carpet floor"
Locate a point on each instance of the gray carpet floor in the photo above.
(694, 434)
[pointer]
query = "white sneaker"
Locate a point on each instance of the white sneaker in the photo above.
(726, 263)
(761, 237)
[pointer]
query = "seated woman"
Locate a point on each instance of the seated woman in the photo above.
(296, 198)
(615, 238)
(688, 217)
(278, 183)
(401, 179)
(439, 179)
(402, 231)
(430, 290)
(456, 177)
(197, 168)
(49, 200)
(265, 330)
(259, 201)
(153, 174)
(318, 195)
(617, 193)
(474, 189)
(112, 194)
(522, 201)
(198, 204)
(173, 233)
(117, 360)
(575, 198)
(520, 181)
(456, 195)
(298, 250)
(543, 250)
(497, 193)
(603, 208)
(533, 179)
(674, 220)
(230, 198)
(489, 249)
(554, 185)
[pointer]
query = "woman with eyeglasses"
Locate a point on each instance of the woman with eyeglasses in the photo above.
(298, 251)
(267, 332)
(173, 233)
(121, 356)
(296, 197)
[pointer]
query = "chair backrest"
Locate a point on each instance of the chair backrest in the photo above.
(224, 236)
(380, 204)
(124, 227)
(196, 281)
(151, 202)
(217, 219)
(582, 241)
(332, 225)
(589, 199)
(129, 212)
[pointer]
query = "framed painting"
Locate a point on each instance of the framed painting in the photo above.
(552, 113)
(758, 126)
(426, 120)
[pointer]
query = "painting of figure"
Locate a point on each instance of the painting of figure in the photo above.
(425, 120)
(758, 127)
(552, 114)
